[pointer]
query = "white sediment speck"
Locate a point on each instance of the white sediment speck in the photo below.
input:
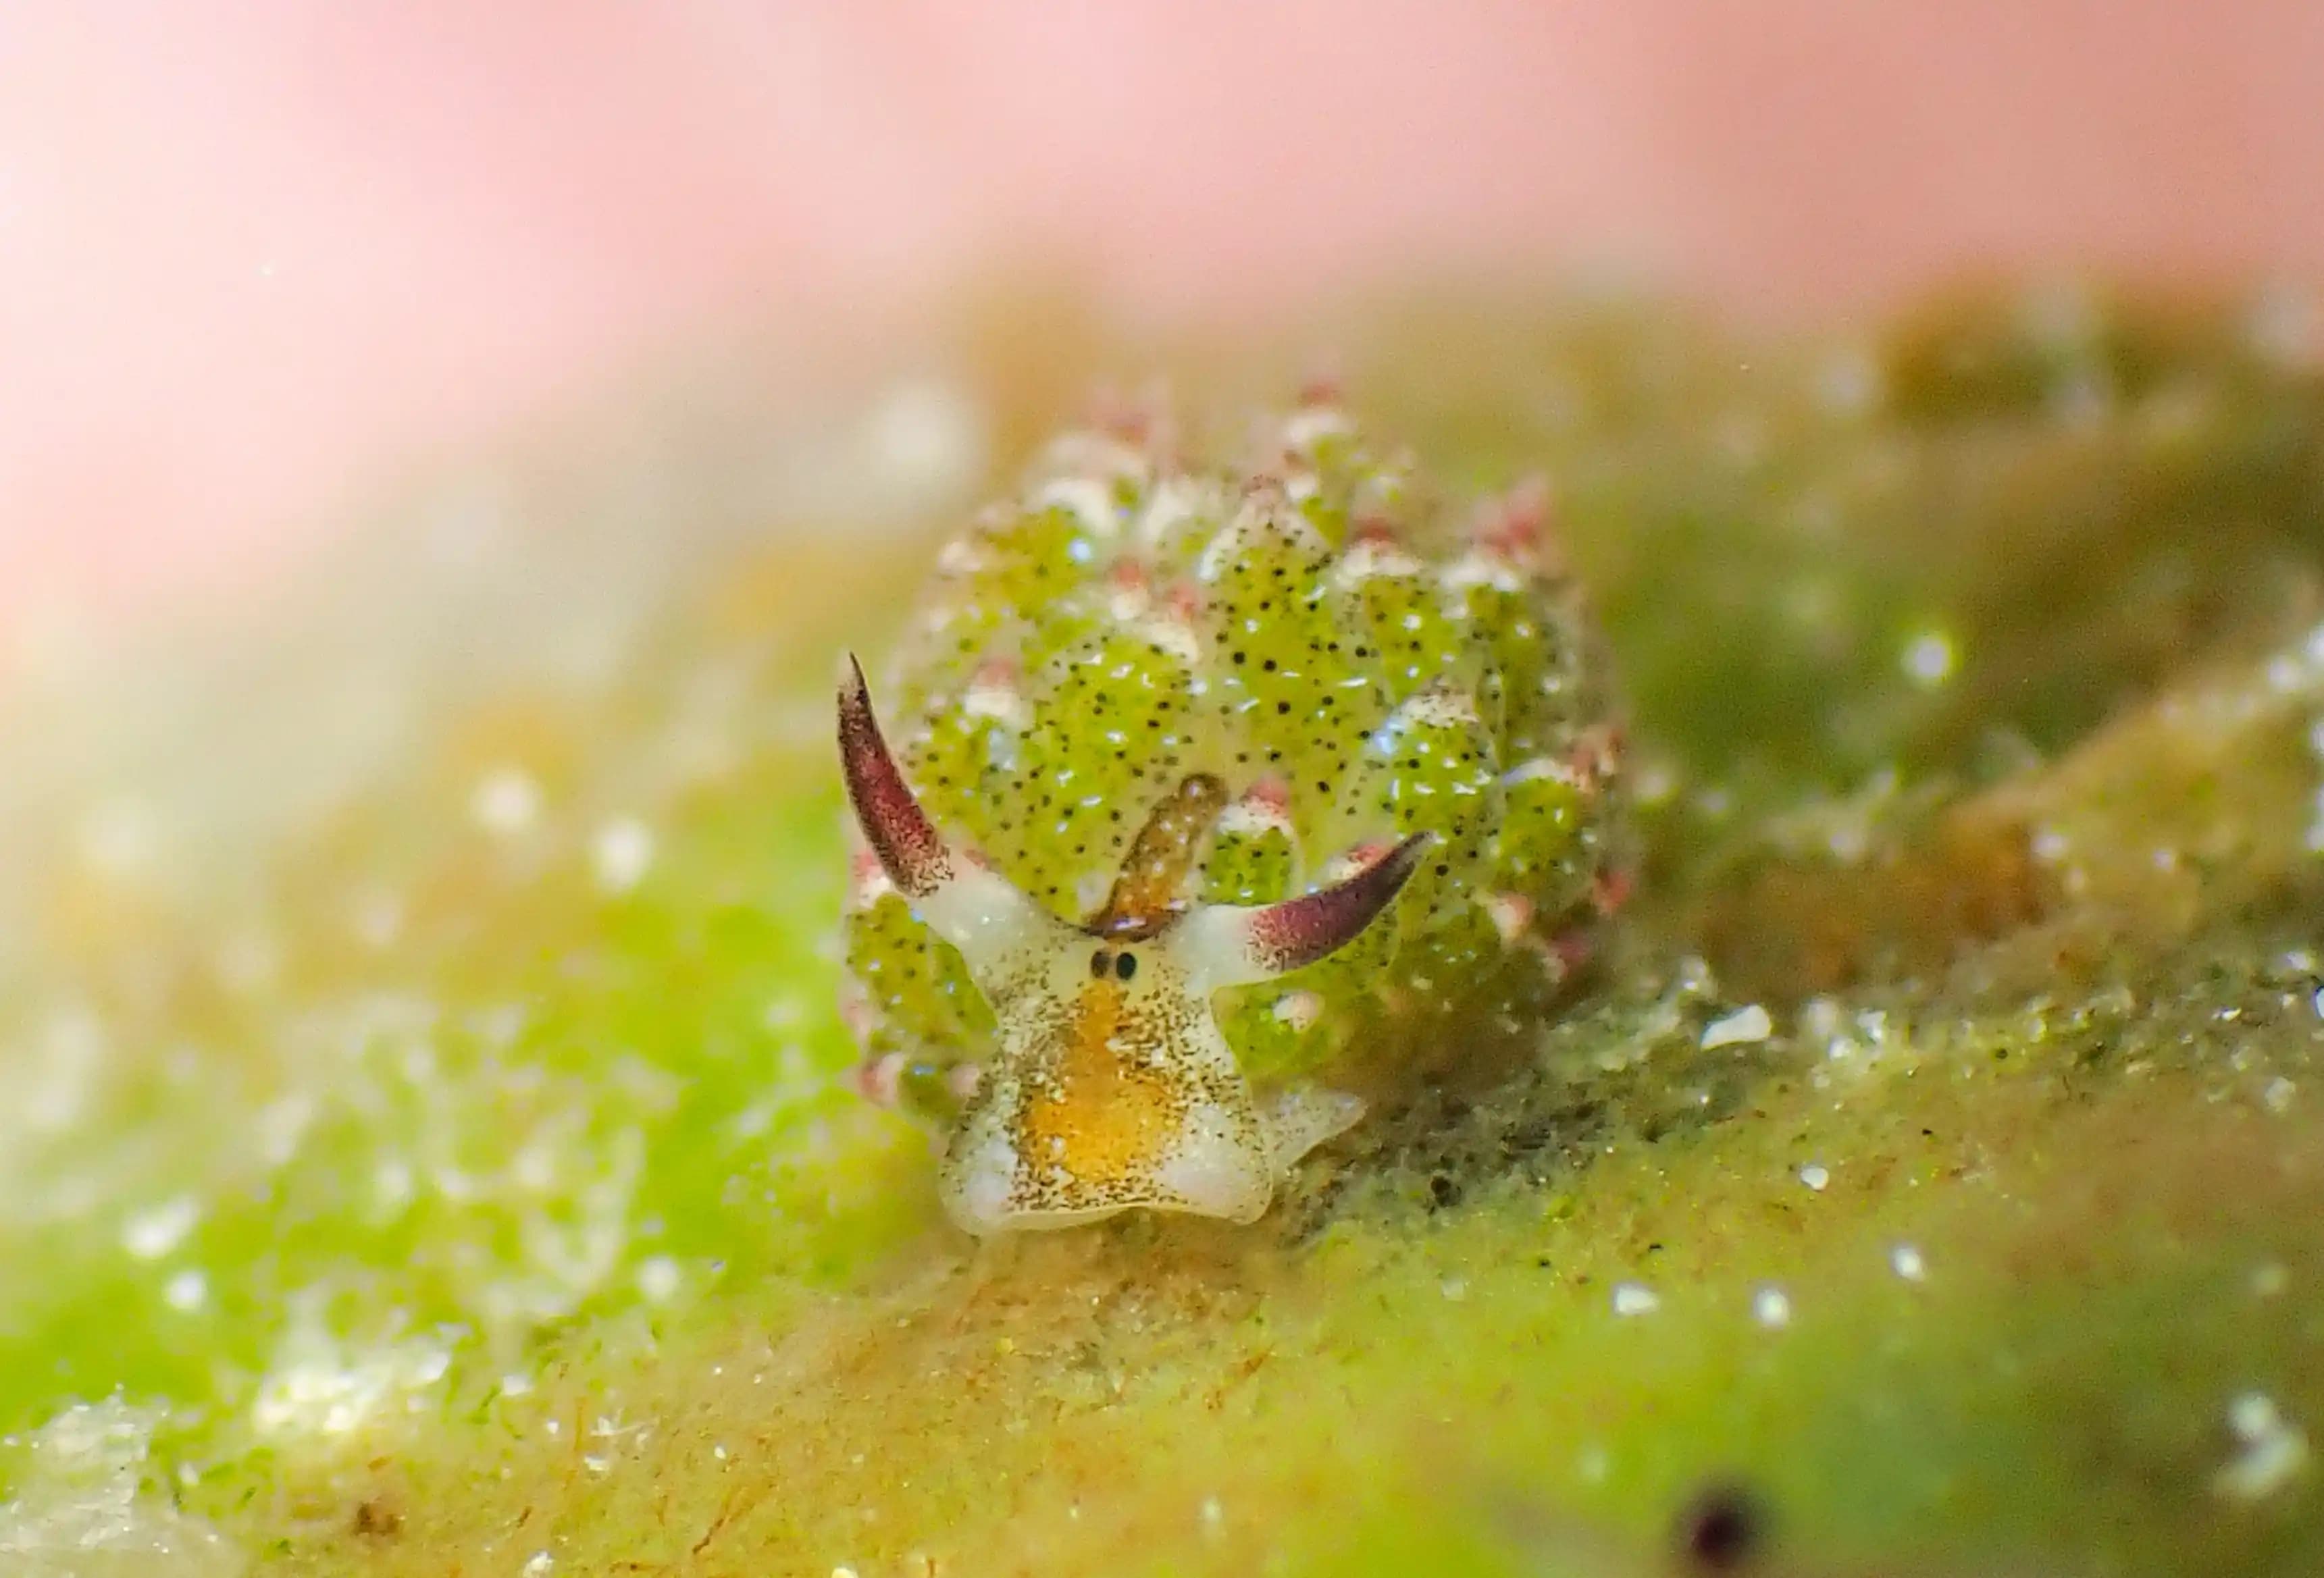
(2271, 1449)
(1772, 1308)
(657, 1279)
(2269, 1279)
(2277, 1095)
(1214, 1514)
(320, 1387)
(1453, 1289)
(187, 1291)
(152, 1233)
(282, 1123)
(1929, 659)
(541, 1562)
(506, 802)
(1635, 1298)
(1905, 1261)
(1815, 1175)
(392, 1185)
(1656, 783)
(620, 854)
(1743, 1027)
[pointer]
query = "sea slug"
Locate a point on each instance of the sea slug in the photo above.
(1208, 782)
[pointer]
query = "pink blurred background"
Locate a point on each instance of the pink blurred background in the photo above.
(253, 256)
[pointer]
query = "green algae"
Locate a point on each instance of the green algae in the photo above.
(463, 1186)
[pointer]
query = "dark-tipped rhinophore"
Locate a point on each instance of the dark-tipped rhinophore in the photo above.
(1298, 931)
(910, 849)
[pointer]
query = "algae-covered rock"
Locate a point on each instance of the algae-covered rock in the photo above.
(450, 1167)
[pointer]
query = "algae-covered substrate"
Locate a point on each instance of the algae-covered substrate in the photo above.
(424, 1151)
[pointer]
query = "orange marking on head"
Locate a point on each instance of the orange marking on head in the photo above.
(1106, 1121)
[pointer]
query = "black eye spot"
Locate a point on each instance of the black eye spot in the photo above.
(1125, 965)
(1099, 962)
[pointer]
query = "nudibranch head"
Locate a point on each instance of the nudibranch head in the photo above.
(1169, 714)
(1112, 1086)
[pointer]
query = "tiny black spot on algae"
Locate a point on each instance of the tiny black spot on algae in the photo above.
(1723, 1530)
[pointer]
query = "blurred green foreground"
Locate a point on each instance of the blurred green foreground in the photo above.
(420, 1152)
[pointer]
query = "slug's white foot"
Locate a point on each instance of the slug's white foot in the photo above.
(1303, 1117)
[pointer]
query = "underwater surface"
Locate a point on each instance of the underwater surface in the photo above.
(430, 1143)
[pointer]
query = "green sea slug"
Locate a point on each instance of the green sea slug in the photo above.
(1210, 785)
